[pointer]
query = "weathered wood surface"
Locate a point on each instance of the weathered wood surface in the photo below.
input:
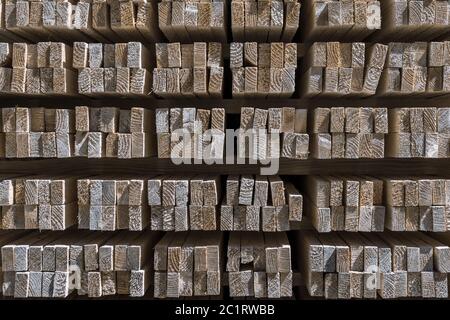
(187, 21)
(189, 70)
(80, 21)
(414, 20)
(263, 20)
(418, 133)
(343, 69)
(341, 265)
(37, 69)
(259, 265)
(343, 20)
(263, 70)
(188, 264)
(41, 264)
(351, 133)
(112, 69)
(420, 68)
(184, 134)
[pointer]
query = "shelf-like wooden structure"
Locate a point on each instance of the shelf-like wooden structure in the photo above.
(154, 166)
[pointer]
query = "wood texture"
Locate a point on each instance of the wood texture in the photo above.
(96, 256)
(188, 70)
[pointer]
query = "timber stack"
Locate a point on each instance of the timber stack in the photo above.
(263, 70)
(120, 69)
(188, 70)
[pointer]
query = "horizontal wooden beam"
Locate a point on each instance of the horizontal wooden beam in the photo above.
(151, 166)
(230, 105)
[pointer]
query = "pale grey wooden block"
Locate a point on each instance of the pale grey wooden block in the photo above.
(35, 284)
(47, 284)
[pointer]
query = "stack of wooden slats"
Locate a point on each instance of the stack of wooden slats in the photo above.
(181, 204)
(38, 203)
(188, 264)
(188, 21)
(259, 138)
(27, 19)
(341, 19)
(104, 20)
(82, 20)
(112, 69)
(417, 204)
(6, 237)
(114, 133)
(414, 19)
(108, 205)
(247, 206)
(264, 20)
(36, 133)
(337, 69)
(53, 265)
(349, 133)
(259, 265)
(188, 70)
(421, 68)
(36, 69)
(190, 133)
(419, 133)
(345, 203)
(263, 70)
(362, 266)
(129, 19)
(5, 34)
